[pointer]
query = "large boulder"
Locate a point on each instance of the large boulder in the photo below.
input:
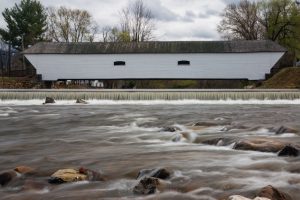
(273, 194)
(49, 100)
(66, 176)
(289, 150)
(7, 177)
(262, 145)
(160, 173)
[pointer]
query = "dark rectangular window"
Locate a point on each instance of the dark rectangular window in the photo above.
(119, 63)
(184, 62)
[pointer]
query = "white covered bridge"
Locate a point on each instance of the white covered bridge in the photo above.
(155, 60)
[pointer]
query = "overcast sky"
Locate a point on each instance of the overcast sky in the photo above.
(175, 19)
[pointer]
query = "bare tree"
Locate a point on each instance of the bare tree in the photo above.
(114, 34)
(137, 21)
(68, 25)
(105, 33)
(241, 21)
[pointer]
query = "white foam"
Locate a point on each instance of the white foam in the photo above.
(129, 128)
(155, 102)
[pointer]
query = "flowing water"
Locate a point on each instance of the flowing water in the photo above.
(119, 139)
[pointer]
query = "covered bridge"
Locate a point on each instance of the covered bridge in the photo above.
(155, 60)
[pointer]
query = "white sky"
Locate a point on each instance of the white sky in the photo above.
(175, 19)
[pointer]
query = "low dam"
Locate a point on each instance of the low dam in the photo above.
(143, 94)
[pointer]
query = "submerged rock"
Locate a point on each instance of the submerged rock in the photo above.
(219, 141)
(289, 150)
(170, 129)
(49, 100)
(177, 138)
(81, 101)
(32, 185)
(160, 173)
(238, 197)
(234, 127)
(273, 194)
(7, 177)
(91, 175)
(24, 169)
(67, 175)
(147, 185)
(206, 124)
(262, 145)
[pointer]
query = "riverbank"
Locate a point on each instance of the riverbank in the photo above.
(288, 78)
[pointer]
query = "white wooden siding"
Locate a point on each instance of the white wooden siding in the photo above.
(252, 66)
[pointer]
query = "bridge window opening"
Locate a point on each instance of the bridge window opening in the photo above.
(119, 63)
(184, 62)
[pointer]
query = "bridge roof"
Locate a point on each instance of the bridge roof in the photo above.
(156, 47)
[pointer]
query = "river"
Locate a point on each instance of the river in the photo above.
(119, 140)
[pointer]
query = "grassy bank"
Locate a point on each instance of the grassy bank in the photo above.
(288, 78)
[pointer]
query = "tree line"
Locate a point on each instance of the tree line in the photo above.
(29, 22)
(276, 20)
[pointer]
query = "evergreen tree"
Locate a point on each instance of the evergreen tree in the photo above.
(26, 24)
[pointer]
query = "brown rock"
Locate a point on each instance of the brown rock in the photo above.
(262, 145)
(24, 169)
(67, 175)
(273, 194)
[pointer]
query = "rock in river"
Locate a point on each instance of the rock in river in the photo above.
(7, 177)
(238, 197)
(289, 150)
(273, 194)
(160, 173)
(91, 175)
(81, 101)
(219, 141)
(147, 185)
(171, 129)
(67, 175)
(24, 169)
(49, 100)
(262, 145)
(283, 129)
